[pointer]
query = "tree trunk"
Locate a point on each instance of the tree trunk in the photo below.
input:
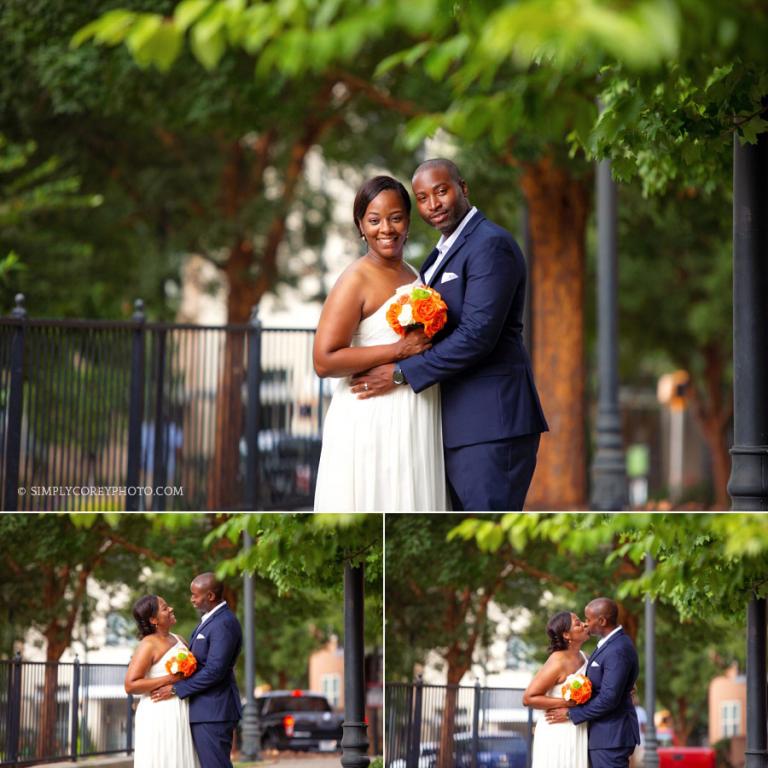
(558, 205)
(713, 413)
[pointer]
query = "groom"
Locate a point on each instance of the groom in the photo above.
(214, 700)
(612, 668)
(492, 418)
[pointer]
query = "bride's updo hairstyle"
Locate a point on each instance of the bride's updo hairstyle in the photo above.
(144, 609)
(559, 623)
(371, 189)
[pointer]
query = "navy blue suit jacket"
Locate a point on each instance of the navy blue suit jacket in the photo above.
(613, 670)
(487, 386)
(212, 689)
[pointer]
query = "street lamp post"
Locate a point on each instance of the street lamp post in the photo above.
(651, 756)
(609, 474)
(756, 752)
(251, 728)
(748, 484)
(354, 742)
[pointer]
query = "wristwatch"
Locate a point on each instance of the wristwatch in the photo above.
(173, 690)
(398, 376)
(567, 714)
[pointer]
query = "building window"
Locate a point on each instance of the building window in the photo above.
(331, 686)
(730, 717)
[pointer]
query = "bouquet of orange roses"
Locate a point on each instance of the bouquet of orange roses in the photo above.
(417, 305)
(183, 663)
(577, 688)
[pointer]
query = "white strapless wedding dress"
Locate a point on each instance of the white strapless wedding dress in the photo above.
(382, 454)
(560, 745)
(163, 737)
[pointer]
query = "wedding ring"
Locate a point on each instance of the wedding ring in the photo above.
(365, 386)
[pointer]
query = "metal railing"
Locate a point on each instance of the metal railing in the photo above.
(442, 726)
(134, 415)
(58, 711)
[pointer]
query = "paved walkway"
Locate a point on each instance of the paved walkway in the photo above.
(269, 760)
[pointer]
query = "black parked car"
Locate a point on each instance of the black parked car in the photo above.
(494, 750)
(299, 720)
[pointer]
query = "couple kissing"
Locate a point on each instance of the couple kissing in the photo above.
(590, 719)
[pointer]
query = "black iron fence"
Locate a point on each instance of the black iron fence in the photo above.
(135, 415)
(451, 726)
(59, 711)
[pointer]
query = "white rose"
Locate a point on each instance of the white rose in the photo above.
(405, 317)
(175, 668)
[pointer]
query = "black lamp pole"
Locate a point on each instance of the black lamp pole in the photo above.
(748, 484)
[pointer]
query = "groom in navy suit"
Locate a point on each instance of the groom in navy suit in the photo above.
(614, 731)
(214, 700)
(492, 418)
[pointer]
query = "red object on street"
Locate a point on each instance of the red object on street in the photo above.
(686, 757)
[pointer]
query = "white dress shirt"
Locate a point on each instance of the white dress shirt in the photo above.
(444, 244)
(605, 639)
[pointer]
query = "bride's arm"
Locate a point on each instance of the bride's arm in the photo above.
(536, 693)
(135, 680)
(332, 354)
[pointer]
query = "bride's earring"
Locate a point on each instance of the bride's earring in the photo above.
(363, 245)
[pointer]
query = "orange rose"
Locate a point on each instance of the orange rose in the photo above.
(424, 310)
(392, 313)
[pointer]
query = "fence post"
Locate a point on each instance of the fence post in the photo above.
(129, 725)
(530, 737)
(13, 716)
(75, 705)
(414, 749)
(159, 470)
(476, 724)
(15, 410)
(253, 411)
(135, 409)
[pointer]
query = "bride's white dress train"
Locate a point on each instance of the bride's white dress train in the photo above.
(560, 745)
(163, 736)
(382, 454)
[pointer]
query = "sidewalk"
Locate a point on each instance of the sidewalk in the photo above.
(294, 760)
(104, 761)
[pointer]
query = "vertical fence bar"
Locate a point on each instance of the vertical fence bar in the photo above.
(415, 745)
(15, 410)
(529, 757)
(129, 724)
(476, 724)
(253, 411)
(135, 408)
(13, 716)
(158, 461)
(74, 708)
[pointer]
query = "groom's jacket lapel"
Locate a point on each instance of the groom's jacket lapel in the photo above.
(456, 247)
(599, 650)
(428, 262)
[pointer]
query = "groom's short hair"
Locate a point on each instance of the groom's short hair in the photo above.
(210, 583)
(604, 606)
(441, 162)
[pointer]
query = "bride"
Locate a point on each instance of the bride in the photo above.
(559, 745)
(383, 453)
(163, 735)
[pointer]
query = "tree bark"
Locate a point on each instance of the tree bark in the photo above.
(558, 205)
(713, 412)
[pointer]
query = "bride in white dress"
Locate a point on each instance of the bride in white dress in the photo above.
(163, 738)
(382, 453)
(559, 745)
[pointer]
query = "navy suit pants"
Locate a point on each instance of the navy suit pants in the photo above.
(491, 476)
(610, 758)
(213, 743)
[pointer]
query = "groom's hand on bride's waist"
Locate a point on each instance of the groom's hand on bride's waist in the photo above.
(162, 693)
(559, 715)
(376, 381)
